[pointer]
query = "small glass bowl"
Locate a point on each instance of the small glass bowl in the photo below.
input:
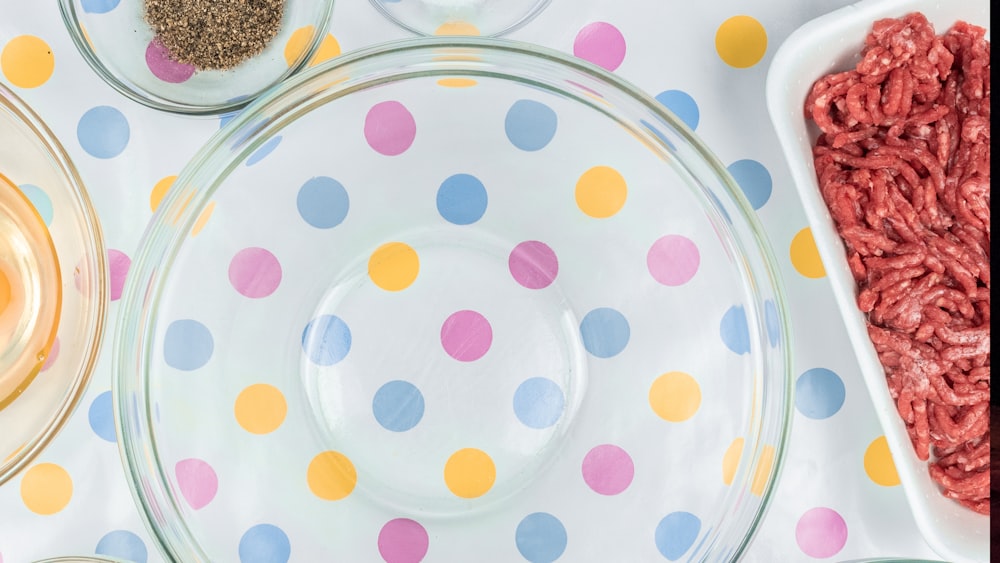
(38, 401)
(119, 45)
(488, 18)
(455, 297)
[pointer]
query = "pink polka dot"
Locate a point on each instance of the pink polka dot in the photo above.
(53, 354)
(197, 482)
(600, 43)
(160, 64)
(403, 541)
(608, 469)
(673, 260)
(821, 532)
(254, 272)
(533, 264)
(118, 265)
(390, 128)
(466, 336)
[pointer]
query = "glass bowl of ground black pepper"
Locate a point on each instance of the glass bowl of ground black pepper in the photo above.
(453, 299)
(199, 57)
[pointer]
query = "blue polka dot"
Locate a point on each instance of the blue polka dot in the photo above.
(265, 543)
(819, 393)
(398, 406)
(122, 544)
(676, 533)
(541, 538)
(103, 132)
(539, 402)
(225, 118)
(323, 202)
(461, 199)
(40, 200)
(754, 180)
(734, 331)
(719, 207)
(264, 150)
(682, 105)
(98, 6)
(326, 340)
(605, 332)
(102, 417)
(530, 125)
(188, 345)
(659, 134)
(772, 322)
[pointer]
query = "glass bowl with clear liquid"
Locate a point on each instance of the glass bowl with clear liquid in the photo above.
(53, 286)
(29, 292)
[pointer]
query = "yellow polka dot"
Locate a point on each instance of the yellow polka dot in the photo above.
(328, 49)
(86, 36)
(763, 471)
(177, 211)
(203, 218)
(456, 82)
(331, 476)
(159, 190)
(299, 41)
(470, 473)
(394, 266)
(260, 408)
(13, 454)
(731, 460)
(741, 41)
(805, 256)
(46, 488)
(456, 28)
(879, 464)
(675, 396)
(27, 61)
(601, 192)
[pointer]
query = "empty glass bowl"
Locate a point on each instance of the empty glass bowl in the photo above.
(118, 43)
(455, 299)
(53, 286)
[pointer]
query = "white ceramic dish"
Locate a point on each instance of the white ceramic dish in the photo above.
(828, 44)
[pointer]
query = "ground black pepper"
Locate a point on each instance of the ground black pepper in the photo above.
(214, 34)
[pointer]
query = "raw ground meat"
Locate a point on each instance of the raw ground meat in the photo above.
(903, 163)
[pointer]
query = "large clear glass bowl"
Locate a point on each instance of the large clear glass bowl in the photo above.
(453, 300)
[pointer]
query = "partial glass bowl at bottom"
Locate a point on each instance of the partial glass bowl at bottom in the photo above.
(53, 286)
(453, 300)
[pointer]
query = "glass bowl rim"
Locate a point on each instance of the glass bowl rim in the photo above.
(525, 18)
(179, 209)
(71, 20)
(97, 252)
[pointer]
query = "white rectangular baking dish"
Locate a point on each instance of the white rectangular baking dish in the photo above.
(827, 44)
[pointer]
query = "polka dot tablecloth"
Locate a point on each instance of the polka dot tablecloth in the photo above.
(839, 496)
